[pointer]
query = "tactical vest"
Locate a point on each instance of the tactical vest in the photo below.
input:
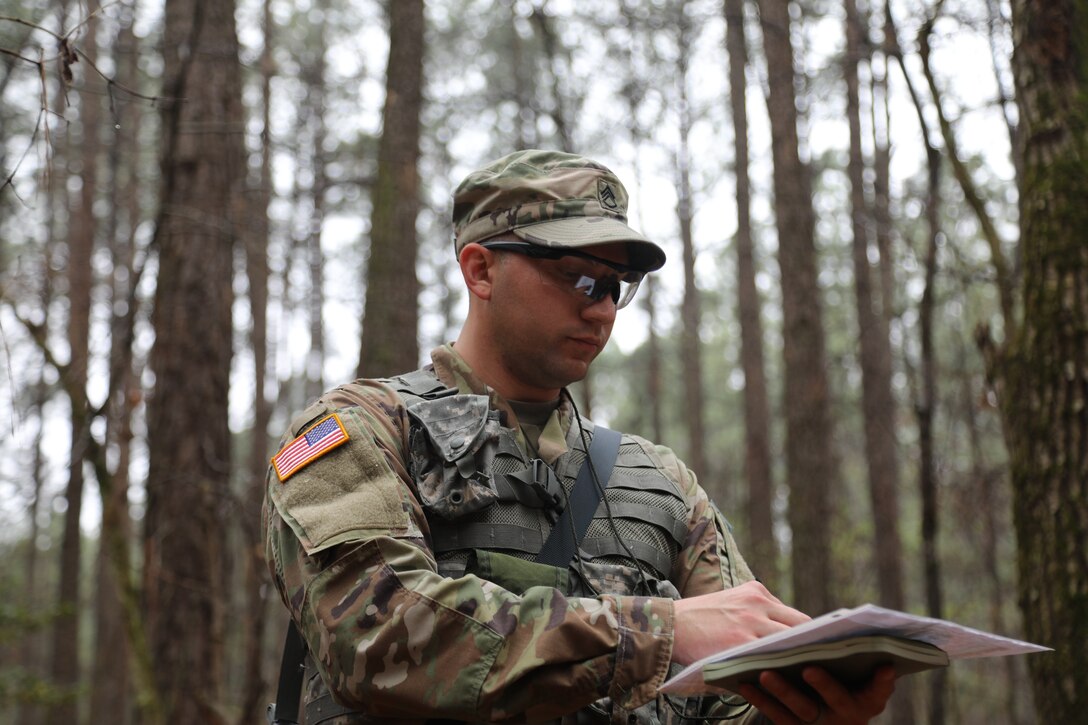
(480, 491)
(482, 495)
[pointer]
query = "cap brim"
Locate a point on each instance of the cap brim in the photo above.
(578, 232)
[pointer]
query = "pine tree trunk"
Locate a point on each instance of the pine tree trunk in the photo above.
(761, 549)
(110, 700)
(315, 110)
(878, 403)
(690, 306)
(255, 613)
(391, 317)
(1042, 375)
(564, 127)
(902, 705)
(524, 86)
(110, 683)
(633, 91)
(653, 363)
(924, 410)
(188, 436)
(40, 645)
(81, 236)
(987, 494)
(882, 157)
(810, 463)
(31, 651)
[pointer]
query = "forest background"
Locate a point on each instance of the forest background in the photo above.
(870, 340)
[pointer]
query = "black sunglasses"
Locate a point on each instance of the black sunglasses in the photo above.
(620, 287)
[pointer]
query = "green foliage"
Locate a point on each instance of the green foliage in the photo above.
(18, 625)
(18, 621)
(19, 687)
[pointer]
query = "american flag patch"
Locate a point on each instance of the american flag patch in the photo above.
(322, 437)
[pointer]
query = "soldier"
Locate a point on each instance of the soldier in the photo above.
(459, 544)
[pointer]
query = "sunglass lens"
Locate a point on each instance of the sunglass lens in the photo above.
(597, 289)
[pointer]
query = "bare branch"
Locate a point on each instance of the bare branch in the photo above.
(120, 86)
(23, 58)
(9, 181)
(69, 54)
(94, 13)
(1005, 282)
(33, 26)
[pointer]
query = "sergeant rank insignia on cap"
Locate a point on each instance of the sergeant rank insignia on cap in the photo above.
(319, 439)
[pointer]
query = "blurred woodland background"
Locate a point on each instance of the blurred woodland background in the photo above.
(870, 341)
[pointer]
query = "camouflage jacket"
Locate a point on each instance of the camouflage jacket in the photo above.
(350, 545)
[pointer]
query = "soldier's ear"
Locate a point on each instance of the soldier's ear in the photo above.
(478, 269)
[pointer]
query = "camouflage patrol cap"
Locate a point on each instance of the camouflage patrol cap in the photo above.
(550, 198)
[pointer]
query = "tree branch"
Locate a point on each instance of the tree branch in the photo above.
(1005, 282)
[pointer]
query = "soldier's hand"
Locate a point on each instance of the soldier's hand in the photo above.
(784, 704)
(710, 623)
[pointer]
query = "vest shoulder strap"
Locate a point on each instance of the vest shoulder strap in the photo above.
(284, 711)
(562, 542)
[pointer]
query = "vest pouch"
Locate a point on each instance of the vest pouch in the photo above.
(514, 574)
(451, 445)
(598, 577)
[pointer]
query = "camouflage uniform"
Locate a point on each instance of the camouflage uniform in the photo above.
(350, 541)
(401, 530)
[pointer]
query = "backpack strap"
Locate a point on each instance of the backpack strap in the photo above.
(284, 711)
(560, 546)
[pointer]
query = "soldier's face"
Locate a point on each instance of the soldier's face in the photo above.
(546, 336)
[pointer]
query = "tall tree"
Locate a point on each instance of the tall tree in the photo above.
(880, 112)
(926, 414)
(762, 549)
(560, 114)
(259, 198)
(985, 494)
(872, 297)
(926, 389)
(40, 657)
(391, 314)
(810, 462)
(314, 109)
(110, 678)
(1041, 371)
(31, 650)
(690, 305)
(81, 236)
(522, 87)
(188, 437)
(878, 403)
(631, 49)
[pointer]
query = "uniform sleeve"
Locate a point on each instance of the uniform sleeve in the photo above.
(346, 545)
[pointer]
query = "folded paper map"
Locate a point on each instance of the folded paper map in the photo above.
(851, 661)
(850, 643)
